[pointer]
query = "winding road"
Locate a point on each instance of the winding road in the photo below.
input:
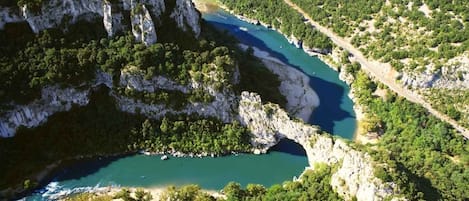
(378, 70)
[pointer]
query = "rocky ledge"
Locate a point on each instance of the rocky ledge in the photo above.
(145, 15)
(354, 176)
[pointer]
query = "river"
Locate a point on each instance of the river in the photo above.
(287, 160)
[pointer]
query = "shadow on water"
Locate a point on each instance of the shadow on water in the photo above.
(289, 147)
(83, 168)
(330, 94)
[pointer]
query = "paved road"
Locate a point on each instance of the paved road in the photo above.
(377, 70)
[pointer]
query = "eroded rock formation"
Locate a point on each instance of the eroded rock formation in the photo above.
(354, 176)
(144, 15)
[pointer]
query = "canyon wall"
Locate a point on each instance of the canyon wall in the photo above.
(354, 175)
(144, 15)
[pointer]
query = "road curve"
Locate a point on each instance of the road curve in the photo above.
(377, 70)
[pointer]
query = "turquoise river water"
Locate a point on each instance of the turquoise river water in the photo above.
(285, 161)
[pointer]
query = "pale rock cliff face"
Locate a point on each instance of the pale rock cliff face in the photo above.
(143, 27)
(112, 19)
(295, 41)
(221, 107)
(157, 7)
(131, 78)
(454, 75)
(186, 16)
(55, 12)
(8, 15)
(301, 98)
(354, 176)
(54, 99)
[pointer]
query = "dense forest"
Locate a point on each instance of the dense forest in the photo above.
(313, 185)
(278, 15)
(414, 36)
(422, 154)
(442, 28)
(73, 58)
(29, 62)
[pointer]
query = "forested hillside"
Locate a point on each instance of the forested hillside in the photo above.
(423, 155)
(426, 42)
(30, 62)
(278, 15)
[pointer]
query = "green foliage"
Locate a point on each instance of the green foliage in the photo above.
(28, 63)
(251, 71)
(27, 184)
(190, 134)
(88, 197)
(399, 29)
(314, 185)
(139, 195)
(187, 193)
(171, 98)
(83, 131)
(424, 155)
(452, 102)
(277, 14)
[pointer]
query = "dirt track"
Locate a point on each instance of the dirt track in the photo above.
(377, 70)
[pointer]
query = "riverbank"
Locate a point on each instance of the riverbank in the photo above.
(360, 135)
(41, 178)
(109, 192)
(329, 58)
(380, 71)
(301, 98)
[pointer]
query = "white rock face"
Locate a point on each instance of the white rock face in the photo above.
(143, 28)
(453, 75)
(55, 12)
(220, 108)
(54, 99)
(185, 15)
(112, 19)
(131, 78)
(301, 98)
(354, 177)
(295, 41)
(8, 15)
(157, 7)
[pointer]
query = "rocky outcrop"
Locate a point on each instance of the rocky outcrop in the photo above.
(143, 28)
(112, 19)
(9, 15)
(453, 75)
(298, 43)
(54, 99)
(144, 19)
(186, 16)
(354, 176)
(221, 107)
(53, 12)
(131, 77)
(301, 98)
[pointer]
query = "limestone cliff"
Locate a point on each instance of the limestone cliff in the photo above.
(144, 18)
(354, 176)
(143, 27)
(453, 75)
(186, 16)
(54, 99)
(221, 107)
